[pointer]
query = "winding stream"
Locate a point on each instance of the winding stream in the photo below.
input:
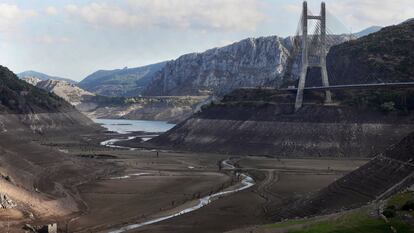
(245, 182)
(111, 143)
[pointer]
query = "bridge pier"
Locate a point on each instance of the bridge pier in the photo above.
(304, 70)
(324, 71)
(305, 55)
(301, 87)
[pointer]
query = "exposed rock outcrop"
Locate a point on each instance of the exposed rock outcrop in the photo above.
(250, 62)
(6, 202)
(253, 62)
(32, 80)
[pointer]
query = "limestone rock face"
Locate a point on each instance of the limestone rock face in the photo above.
(253, 62)
(248, 63)
(32, 80)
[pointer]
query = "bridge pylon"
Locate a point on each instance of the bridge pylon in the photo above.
(320, 62)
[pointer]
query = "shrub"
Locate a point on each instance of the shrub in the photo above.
(408, 206)
(388, 106)
(389, 213)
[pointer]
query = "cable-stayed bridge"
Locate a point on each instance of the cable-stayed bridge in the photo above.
(355, 86)
(310, 46)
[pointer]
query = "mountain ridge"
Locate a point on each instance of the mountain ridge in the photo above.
(367, 31)
(378, 57)
(127, 82)
(252, 62)
(42, 76)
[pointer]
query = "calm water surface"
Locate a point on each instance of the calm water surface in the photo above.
(126, 126)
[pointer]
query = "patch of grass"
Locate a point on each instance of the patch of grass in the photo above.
(393, 100)
(401, 226)
(352, 222)
(287, 223)
(400, 199)
(357, 221)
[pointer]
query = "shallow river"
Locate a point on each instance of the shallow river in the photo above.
(126, 126)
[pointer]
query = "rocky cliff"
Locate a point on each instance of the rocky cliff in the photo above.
(32, 80)
(253, 62)
(250, 62)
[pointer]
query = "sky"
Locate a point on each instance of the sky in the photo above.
(74, 38)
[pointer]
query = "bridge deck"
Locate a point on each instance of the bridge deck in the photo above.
(357, 86)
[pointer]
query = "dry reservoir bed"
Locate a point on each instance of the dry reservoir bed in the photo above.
(154, 186)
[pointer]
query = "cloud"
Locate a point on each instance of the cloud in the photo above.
(104, 14)
(48, 39)
(229, 15)
(293, 8)
(364, 13)
(358, 14)
(11, 16)
(51, 10)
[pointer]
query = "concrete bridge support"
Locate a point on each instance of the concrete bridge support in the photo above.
(305, 55)
(304, 69)
(324, 71)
